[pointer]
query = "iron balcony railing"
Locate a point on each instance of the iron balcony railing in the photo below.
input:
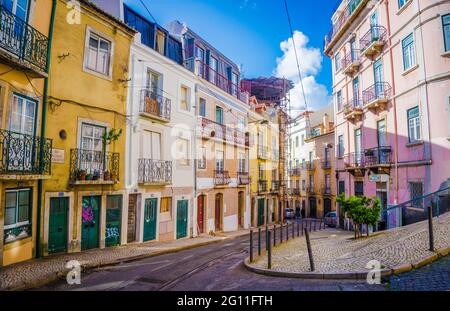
(90, 165)
(222, 178)
(276, 185)
(378, 156)
(310, 165)
(294, 172)
(212, 129)
(211, 75)
(263, 152)
(243, 178)
(352, 105)
(24, 154)
(22, 40)
(326, 164)
(375, 34)
(155, 171)
(156, 105)
(354, 160)
(295, 191)
(341, 19)
(310, 190)
(378, 91)
(262, 185)
(351, 57)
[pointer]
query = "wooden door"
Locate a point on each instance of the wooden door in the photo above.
(57, 238)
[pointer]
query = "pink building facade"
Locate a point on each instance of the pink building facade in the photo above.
(391, 87)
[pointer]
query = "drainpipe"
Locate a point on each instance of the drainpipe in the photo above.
(195, 207)
(391, 58)
(43, 125)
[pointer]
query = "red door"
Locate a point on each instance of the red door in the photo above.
(201, 214)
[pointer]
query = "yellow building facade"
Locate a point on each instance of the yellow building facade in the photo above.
(84, 203)
(25, 156)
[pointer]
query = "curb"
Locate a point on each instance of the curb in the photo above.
(87, 267)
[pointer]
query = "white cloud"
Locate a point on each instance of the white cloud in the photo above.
(310, 60)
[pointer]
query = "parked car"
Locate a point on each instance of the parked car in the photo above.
(289, 213)
(330, 219)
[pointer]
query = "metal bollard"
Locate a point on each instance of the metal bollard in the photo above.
(287, 231)
(267, 237)
(281, 233)
(259, 241)
(301, 224)
(315, 223)
(430, 228)
(310, 255)
(269, 253)
(298, 229)
(274, 235)
(251, 245)
(293, 230)
(310, 225)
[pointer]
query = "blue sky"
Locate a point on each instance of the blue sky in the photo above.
(249, 32)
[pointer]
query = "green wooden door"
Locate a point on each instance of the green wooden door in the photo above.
(113, 220)
(150, 219)
(260, 212)
(57, 231)
(90, 217)
(182, 219)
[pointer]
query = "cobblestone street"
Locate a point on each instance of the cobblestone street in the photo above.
(434, 277)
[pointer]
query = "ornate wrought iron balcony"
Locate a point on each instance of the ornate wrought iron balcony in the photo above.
(155, 171)
(243, 178)
(326, 164)
(353, 110)
(379, 156)
(94, 167)
(373, 41)
(22, 154)
(310, 166)
(377, 95)
(26, 44)
(310, 190)
(294, 172)
(275, 185)
(155, 106)
(262, 186)
(351, 62)
(222, 178)
(354, 160)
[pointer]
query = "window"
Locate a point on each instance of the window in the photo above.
(23, 115)
(183, 151)
(296, 141)
(446, 28)
(337, 61)
(17, 214)
(92, 137)
(359, 188)
(184, 104)
(414, 131)
(303, 185)
(202, 107)
(381, 133)
(234, 84)
(303, 139)
(401, 3)
(261, 172)
(166, 205)
(341, 149)
(416, 192)
(202, 158)
(154, 84)
(241, 123)
(242, 163)
(311, 181)
(327, 181)
(18, 7)
(98, 56)
(316, 132)
(219, 115)
(339, 100)
(219, 161)
(409, 57)
(213, 70)
(151, 145)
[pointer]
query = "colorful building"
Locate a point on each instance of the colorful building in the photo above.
(222, 146)
(85, 203)
(391, 88)
(26, 153)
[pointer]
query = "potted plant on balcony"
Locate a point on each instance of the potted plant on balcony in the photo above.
(96, 175)
(108, 138)
(89, 177)
(106, 175)
(81, 175)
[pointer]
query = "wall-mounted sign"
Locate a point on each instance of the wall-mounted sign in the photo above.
(58, 156)
(379, 178)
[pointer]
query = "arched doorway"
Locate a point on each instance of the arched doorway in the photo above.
(218, 212)
(201, 213)
(241, 209)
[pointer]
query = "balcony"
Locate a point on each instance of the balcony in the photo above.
(275, 155)
(210, 129)
(378, 157)
(155, 172)
(342, 21)
(373, 41)
(377, 95)
(211, 75)
(326, 164)
(275, 186)
(353, 110)
(294, 172)
(21, 45)
(325, 190)
(263, 152)
(262, 186)
(310, 166)
(295, 191)
(155, 106)
(221, 178)
(23, 156)
(89, 167)
(310, 190)
(243, 179)
(354, 163)
(351, 63)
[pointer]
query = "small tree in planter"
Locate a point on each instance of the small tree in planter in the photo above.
(108, 138)
(361, 210)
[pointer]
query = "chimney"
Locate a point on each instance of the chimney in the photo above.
(326, 123)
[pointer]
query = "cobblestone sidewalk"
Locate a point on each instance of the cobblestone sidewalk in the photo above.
(38, 272)
(337, 252)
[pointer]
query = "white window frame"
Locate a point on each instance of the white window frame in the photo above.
(412, 52)
(414, 127)
(188, 99)
(91, 122)
(89, 32)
